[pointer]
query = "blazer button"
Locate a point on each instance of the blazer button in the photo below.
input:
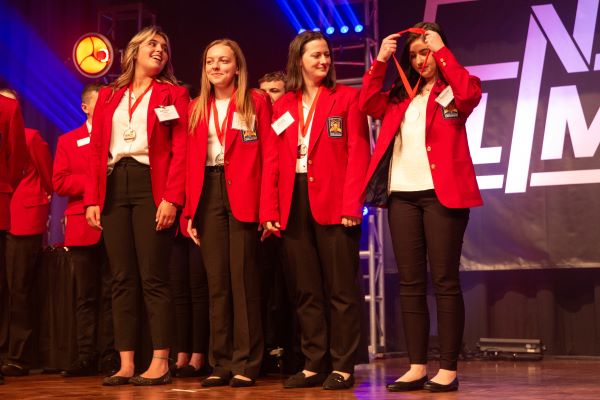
(428, 148)
(226, 162)
(229, 181)
(310, 162)
(311, 179)
(432, 166)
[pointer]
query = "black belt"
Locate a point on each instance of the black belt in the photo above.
(214, 168)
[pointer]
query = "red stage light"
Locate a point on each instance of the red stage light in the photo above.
(93, 55)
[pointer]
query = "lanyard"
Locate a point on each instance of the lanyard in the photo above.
(130, 108)
(412, 92)
(221, 129)
(305, 124)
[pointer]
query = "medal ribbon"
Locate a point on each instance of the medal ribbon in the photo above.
(412, 92)
(305, 124)
(137, 101)
(221, 129)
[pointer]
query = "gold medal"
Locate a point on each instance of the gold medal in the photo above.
(302, 150)
(220, 159)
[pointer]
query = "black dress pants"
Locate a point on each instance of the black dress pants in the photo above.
(22, 256)
(228, 249)
(424, 230)
(93, 285)
(322, 262)
(189, 287)
(138, 257)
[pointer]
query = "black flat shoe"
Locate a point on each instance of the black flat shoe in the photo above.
(187, 371)
(336, 381)
(407, 386)
(83, 367)
(115, 380)
(11, 369)
(214, 382)
(236, 383)
(299, 380)
(161, 380)
(438, 387)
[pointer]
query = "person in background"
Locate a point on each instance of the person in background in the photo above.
(312, 196)
(273, 84)
(136, 185)
(86, 249)
(13, 158)
(422, 171)
(29, 209)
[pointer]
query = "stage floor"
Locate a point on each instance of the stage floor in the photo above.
(552, 378)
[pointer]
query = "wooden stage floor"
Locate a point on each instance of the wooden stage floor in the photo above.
(552, 378)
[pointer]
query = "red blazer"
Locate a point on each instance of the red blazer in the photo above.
(13, 154)
(166, 144)
(30, 202)
(243, 162)
(71, 164)
(336, 162)
(445, 134)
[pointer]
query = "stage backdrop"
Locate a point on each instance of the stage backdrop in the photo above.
(535, 135)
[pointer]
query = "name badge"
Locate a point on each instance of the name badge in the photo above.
(168, 113)
(334, 127)
(83, 141)
(282, 123)
(445, 97)
(239, 124)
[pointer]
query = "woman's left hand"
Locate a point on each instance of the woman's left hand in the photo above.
(349, 222)
(433, 41)
(165, 215)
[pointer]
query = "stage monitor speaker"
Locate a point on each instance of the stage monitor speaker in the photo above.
(511, 349)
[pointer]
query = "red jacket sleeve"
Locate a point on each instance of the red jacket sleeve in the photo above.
(358, 159)
(175, 188)
(17, 155)
(66, 181)
(371, 100)
(269, 194)
(42, 161)
(465, 87)
(92, 186)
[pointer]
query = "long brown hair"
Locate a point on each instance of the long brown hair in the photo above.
(129, 59)
(296, 51)
(243, 97)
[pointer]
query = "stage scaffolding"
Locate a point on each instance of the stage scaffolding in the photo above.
(353, 55)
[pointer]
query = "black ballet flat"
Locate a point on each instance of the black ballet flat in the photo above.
(438, 387)
(115, 380)
(407, 386)
(161, 380)
(214, 382)
(237, 383)
(299, 380)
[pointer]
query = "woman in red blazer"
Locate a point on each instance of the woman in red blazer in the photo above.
(137, 166)
(312, 194)
(229, 137)
(422, 171)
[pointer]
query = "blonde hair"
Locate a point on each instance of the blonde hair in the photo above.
(243, 97)
(128, 61)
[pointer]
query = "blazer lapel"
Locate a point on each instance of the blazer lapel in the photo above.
(292, 130)
(159, 97)
(432, 105)
(110, 112)
(324, 105)
(231, 133)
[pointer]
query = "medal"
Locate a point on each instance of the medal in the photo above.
(220, 130)
(302, 150)
(220, 158)
(129, 135)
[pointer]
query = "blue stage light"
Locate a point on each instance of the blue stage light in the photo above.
(330, 30)
(301, 30)
(344, 29)
(316, 30)
(358, 28)
(285, 7)
(365, 211)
